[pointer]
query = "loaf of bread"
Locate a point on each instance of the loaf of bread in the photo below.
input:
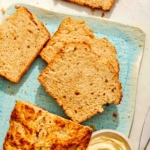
(70, 30)
(34, 128)
(104, 4)
(81, 82)
(22, 36)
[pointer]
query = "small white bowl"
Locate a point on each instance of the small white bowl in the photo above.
(115, 135)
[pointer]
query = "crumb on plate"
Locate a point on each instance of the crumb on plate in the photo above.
(3, 11)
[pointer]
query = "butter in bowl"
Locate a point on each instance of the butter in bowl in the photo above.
(109, 140)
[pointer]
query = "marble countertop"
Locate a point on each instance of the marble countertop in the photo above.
(130, 12)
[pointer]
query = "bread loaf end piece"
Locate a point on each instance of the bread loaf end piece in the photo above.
(32, 127)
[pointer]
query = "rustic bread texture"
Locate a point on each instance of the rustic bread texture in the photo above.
(22, 36)
(104, 4)
(69, 31)
(81, 82)
(34, 128)
(77, 31)
(103, 48)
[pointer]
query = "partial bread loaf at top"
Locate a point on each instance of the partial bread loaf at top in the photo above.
(104, 4)
(32, 128)
(81, 82)
(22, 36)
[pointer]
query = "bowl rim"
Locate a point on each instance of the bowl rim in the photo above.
(96, 133)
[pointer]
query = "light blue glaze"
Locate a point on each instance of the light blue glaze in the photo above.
(129, 43)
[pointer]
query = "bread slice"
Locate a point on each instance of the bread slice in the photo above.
(81, 82)
(70, 30)
(104, 4)
(34, 128)
(22, 36)
(77, 31)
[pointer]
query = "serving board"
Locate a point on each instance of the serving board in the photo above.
(129, 42)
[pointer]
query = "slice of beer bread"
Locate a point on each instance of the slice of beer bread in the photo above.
(104, 4)
(34, 128)
(81, 82)
(77, 31)
(69, 31)
(22, 36)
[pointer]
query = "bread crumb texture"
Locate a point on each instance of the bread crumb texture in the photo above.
(81, 81)
(34, 128)
(69, 31)
(22, 36)
(103, 4)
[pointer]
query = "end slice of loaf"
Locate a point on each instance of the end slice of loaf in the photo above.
(70, 30)
(80, 82)
(34, 128)
(104, 4)
(22, 36)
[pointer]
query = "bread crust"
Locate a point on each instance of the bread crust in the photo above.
(22, 38)
(103, 4)
(34, 128)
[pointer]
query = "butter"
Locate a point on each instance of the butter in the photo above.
(106, 143)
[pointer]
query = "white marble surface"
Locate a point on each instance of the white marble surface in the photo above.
(131, 12)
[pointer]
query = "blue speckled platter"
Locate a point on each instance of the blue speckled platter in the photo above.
(129, 42)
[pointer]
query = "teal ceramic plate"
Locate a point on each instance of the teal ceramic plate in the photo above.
(129, 42)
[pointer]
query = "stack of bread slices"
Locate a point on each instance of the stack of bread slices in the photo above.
(82, 74)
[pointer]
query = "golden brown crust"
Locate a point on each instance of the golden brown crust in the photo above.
(34, 128)
(103, 4)
(20, 32)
